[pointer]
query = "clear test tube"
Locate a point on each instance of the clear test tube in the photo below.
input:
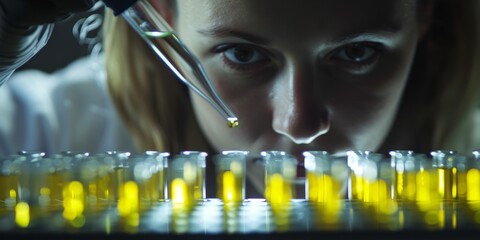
(377, 178)
(9, 177)
(231, 174)
(445, 170)
(119, 174)
(404, 182)
(280, 173)
(182, 172)
(355, 159)
(200, 160)
(326, 176)
(33, 192)
(158, 183)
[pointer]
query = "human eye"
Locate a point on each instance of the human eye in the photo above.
(357, 57)
(242, 56)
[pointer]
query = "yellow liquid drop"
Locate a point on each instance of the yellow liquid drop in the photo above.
(232, 122)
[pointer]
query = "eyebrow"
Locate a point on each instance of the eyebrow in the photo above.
(228, 32)
(384, 30)
(220, 31)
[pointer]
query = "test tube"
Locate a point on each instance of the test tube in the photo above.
(404, 184)
(280, 172)
(10, 172)
(231, 172)
(200, 160)
(157, 183)
(355, 160)
(326, 176)
(445, 173)
(182, 178)
(160, 36)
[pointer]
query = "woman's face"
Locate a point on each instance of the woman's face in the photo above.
(316, 75)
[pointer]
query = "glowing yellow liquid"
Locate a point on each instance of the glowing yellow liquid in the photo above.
(128, 202)
(399, 184)
(424, 186)
(181, 193)
(232, 122)
(357, 184)
(473, 185)
(230, 187)
(278, 190)
(73, 201)
(446, 183)
(322, 188)
(8, 192)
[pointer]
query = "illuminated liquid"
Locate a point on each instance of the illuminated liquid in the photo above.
(357, 186)
(182, 62)
(424, 186)
(322, 188)
(278, 190)
(181, 194)
(462, 185)
(445, 180)
(8, 192)
(405, 183)
(473, 185)
(230, 187)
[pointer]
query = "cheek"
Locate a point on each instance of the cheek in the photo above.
(250, 106)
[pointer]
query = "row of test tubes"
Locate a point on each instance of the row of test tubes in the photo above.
(33, 184)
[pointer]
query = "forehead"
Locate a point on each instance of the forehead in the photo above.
(292, 15)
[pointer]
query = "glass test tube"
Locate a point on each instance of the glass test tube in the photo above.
(445, 178)
(326, 176)
(231, 173)
(10, 172)
(356, 182)
(182, 178)
(404, 183)
(160, 36)
(200, 160)
(280, 173)
(157, 183)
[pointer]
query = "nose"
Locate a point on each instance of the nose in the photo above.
(299, 110)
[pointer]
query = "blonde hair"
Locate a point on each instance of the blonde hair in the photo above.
(153, 104)
(438, 103)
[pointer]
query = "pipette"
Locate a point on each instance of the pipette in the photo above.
(161, 37)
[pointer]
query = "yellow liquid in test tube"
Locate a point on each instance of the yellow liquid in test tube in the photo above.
(277, 190)
(357, 186)
(230, 187)
(473, 185)
(181, 193)
(462, 185)
(445, 182)
(156, 186)
(322, 188)
(8, 192)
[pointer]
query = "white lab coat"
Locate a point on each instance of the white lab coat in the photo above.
(66, 110)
